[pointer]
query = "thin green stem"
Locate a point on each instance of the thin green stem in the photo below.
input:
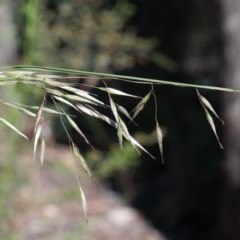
(107, 76)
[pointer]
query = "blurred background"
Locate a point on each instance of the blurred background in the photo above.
(195, 194)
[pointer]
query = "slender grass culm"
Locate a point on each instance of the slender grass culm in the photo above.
(63, 88)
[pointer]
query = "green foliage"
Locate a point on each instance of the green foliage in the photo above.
(118, 160)
(30, 14)
(84, 35)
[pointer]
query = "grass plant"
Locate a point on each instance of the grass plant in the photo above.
(62, 87)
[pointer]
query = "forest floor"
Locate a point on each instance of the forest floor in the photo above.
(44, 203)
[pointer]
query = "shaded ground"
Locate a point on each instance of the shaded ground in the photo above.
(44, 204)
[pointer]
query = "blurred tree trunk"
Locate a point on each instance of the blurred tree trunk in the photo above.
(8, 41)
(231, 210)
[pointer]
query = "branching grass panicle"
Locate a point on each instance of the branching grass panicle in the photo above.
(62, 86)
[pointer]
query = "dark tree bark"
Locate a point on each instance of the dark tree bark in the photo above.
(230, 218)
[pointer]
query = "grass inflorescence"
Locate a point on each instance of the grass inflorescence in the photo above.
(62, 86)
